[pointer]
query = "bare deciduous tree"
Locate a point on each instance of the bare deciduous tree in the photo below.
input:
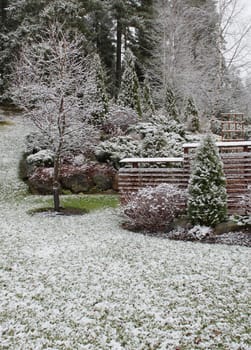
(232, 34)
(54, 85)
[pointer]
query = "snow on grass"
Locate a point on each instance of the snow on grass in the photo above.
(82, 282)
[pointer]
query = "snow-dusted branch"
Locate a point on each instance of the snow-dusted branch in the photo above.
(54, 83)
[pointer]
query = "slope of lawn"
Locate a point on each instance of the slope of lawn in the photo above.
(82, 282)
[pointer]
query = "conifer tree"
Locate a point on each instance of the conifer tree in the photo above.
(148, 108)
(129, 93)
(100, 94)
(192, 115)
(207, 200)
(170, 104)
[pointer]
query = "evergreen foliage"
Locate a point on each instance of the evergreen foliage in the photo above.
(144, 41)
(129, 93)
(159, 137)
(170, 104)
(100, 97)
(207, 201)
(148, 108)
(191, 115)
(174, 42)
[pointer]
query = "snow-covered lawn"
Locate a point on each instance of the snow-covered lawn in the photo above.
(82, 282)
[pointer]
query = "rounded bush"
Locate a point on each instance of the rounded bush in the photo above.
(153, 209)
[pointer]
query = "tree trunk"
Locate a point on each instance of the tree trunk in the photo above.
(118, 54)
(56, 198)
(56, 186)
(3, 6)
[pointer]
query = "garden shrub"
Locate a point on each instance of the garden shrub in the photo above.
(35, 142)
(158, 138)
(207, 197)
(153, 209)
(117, 148)
(118, 120)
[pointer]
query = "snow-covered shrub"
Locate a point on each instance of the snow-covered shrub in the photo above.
(216, 126)
(207, 197)
(153, 209)
(168, 124)
(161, 144)
(118, 120)
(43, 158)
(84, 144)
(159, 137)
(117, 148)
(35, 142)
(158, 122)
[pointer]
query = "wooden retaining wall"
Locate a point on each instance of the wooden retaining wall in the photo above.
(237, 169)
(132, 179)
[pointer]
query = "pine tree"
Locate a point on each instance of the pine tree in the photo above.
(129, 93)
(191, 115)
(207, 201)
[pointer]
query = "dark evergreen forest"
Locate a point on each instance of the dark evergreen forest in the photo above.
(156, 57)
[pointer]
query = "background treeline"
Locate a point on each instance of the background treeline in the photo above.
(174, 48)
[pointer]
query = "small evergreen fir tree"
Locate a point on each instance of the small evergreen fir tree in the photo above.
(101, 97)
(129, 93)
(170, 104)
(192, 115)
(207, 201)
(148, 107)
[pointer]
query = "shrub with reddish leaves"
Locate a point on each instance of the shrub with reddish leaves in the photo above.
(153, 209)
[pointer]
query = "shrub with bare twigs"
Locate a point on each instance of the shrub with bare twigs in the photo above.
(153, 209)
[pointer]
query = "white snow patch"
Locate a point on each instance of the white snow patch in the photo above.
(84, 283)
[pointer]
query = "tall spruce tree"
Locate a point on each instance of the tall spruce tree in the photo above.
(207, 200)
